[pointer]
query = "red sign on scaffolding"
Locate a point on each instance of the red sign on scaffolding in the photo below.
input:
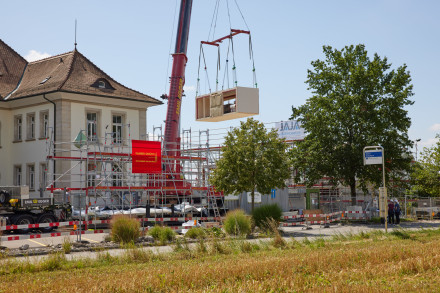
(146, 156)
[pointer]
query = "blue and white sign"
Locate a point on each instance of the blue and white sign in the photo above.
(373, 157)
(290, 130)
(273, 193)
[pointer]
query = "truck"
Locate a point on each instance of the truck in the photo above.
(17, 208)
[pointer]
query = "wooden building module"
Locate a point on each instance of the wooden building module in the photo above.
(228, 104)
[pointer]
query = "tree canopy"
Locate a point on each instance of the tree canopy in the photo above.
(253, 159)
(356, 102)
(426, 173)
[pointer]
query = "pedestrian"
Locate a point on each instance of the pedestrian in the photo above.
(397, 211)
(391, 212)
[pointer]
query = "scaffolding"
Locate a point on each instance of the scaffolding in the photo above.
(95, 174)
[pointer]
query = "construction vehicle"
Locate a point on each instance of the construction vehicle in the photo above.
(17, 208)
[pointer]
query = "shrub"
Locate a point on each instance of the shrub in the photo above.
(262, 214)
(67, 245)
(124, 229)
(162, 234)
(237, 223)
(196, 233)
(167, 234)
(215, 232)
(155, 232)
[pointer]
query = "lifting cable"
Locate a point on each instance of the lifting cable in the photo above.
(206, 69)
(226, 76)
(226, 73)
(234, 71)
(214, 20)
(251, 56)
(202, 54)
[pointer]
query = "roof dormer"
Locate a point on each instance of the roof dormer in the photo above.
(102, 83)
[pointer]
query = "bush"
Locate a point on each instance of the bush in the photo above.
(67, 245)
(237, 223)
(155, 232)
(264, 213)
(124, 229)
(196, 233)
(167, 235)
(162, 234)
(215, 232)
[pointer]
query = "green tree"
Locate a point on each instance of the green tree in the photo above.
(252, 159)
(426, 173)
(356, 102)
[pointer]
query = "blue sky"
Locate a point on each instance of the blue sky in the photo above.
(130, 41)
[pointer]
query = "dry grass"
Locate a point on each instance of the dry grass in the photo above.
(373, 263)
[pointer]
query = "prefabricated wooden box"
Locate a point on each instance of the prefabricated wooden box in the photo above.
(228, 104)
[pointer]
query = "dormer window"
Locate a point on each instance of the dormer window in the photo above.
(102, 83)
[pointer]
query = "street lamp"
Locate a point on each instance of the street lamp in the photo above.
(416, 141)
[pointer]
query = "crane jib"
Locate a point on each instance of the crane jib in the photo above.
(172, 136)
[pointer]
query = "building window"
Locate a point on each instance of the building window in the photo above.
(91, 174)
(117, 129)
(92, 126)
(31, 177)
(30, 119)
(101, 84)
(17, 175)
(117, 175)
(43, 176)
(44, 124)
(18, 127)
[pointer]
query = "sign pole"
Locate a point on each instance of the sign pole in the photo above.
(385, 190)
(374, 155)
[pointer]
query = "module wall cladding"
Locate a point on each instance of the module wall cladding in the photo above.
(238, 102)
(281, 199)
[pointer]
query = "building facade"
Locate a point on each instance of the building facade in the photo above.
(50, 102)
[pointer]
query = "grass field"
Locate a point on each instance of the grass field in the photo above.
(401, 261)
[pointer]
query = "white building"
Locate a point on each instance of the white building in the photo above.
(56, 98)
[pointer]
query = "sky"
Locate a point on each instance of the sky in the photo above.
(132, 41)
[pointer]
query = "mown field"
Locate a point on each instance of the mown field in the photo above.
(401, 261)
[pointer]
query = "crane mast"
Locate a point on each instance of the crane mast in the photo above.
(177, 81)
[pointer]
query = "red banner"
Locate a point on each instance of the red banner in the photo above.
(146, 156)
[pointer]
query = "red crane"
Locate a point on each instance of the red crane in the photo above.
(177, 81)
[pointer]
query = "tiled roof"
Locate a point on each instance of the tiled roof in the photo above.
(11, 69)
(69, 72)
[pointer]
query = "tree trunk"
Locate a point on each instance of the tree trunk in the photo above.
(353, 193)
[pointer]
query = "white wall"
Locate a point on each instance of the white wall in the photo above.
(6, 145)
(104, 119)
(26, 151)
